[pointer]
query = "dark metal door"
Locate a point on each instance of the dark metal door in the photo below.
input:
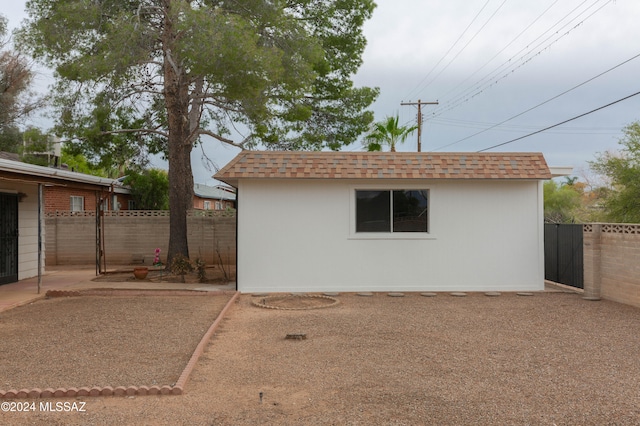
(8, 238)
(563, 254)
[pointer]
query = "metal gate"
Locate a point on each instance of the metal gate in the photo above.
(8, 238)
(563, 254)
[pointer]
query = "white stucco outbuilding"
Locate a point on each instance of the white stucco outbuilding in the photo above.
(340, 221)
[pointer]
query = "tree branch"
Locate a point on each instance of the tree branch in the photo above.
(171, 62)
(195, 112)
(156, 132)
(223, 139)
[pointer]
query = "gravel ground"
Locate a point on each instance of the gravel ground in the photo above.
(102, 341)
(548, 359)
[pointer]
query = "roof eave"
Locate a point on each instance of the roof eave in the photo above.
(376, 166)
(560, 171)
(47, 172)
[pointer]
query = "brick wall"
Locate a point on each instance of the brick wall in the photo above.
(612, 262)
(198, 203)
(57, 198)
(123, 201)
(132, 236)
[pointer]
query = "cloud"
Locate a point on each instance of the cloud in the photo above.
(527, 52)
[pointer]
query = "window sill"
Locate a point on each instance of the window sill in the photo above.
(392, 236)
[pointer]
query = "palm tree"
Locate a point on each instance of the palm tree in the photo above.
(387, 132)
(570, 181)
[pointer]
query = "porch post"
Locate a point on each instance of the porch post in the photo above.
(40, 197)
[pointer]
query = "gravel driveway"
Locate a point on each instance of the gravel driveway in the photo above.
(551, 358)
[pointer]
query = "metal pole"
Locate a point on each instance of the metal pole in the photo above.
(39, 236)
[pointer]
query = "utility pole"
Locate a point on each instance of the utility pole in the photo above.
(419, 104)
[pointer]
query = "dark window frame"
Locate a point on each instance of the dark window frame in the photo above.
(392, 211)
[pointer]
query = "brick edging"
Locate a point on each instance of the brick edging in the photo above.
(260, 302)
(132, 292)
(182, 380)
(177, 389)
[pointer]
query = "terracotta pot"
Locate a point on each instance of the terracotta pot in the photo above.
(140, 272)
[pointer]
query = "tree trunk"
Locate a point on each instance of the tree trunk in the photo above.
(180, 194)
(176, 91)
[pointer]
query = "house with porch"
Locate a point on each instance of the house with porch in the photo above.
(25, 190)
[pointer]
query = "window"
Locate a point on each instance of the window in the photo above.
(218, 205)
(77, 203)
(207, 205)
(131, 205)
(404, 210)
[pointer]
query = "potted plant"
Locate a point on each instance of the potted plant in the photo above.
(140, 272)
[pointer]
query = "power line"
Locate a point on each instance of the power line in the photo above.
(503, 49)
(490, 77)
(493, 77)
(561, 123)
(450, 49)
(575, 130)
(465, 46)
(542, 103)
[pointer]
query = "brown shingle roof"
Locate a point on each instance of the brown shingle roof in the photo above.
(383, 165)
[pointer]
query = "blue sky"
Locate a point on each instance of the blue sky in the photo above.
(486, 61)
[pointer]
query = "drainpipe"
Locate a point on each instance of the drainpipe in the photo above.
(237, 204)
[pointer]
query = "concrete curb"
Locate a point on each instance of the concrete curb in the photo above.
(22, 303)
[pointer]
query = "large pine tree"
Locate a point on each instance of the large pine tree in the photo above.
(160, 74)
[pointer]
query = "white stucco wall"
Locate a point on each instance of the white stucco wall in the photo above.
(296, 235)
(27, 227)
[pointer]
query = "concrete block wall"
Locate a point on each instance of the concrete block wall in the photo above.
(70, 240)
(612, 262)
(131, 237)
